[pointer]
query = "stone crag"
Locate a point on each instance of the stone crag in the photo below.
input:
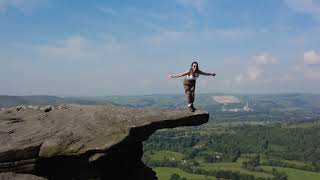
(82, 142)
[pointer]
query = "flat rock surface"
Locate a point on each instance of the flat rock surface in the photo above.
(30, 133)
(14, 176)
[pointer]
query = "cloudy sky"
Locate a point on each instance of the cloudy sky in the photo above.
(94, 48)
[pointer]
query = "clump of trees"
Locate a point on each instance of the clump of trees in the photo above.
(279, 175)
(231, 142)
(211, 158)
(175, 176)
(253, 164)
(301, 144)
(278, 163)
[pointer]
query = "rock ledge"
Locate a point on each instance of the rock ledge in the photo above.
(83, 142)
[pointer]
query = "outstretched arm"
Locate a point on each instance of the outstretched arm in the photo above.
(178, 75)
(207, 74)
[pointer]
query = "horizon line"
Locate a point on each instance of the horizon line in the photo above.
(157, 94)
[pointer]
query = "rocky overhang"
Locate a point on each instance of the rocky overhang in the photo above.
(83, 142)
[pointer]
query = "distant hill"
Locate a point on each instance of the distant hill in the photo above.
(222, 107)
(8, 101)
(236, 107)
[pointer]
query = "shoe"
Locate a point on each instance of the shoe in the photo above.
(193, 107)
(190, 109)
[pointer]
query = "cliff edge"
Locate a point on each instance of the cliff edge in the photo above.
(82, 142)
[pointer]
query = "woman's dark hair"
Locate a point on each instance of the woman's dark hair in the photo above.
(197, 70)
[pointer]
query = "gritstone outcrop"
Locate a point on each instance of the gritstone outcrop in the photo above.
(82, 142)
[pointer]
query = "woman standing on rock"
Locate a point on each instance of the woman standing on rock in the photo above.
(189, 82)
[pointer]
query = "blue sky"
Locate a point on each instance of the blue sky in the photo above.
(94, 48)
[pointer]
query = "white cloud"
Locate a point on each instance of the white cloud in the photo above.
(255, 70)
(309, 67)
(309, 72)
(23, 5)
(72, 47)
(311, 7)
(199, 5)
(264, 59)
(78, 47)
(311, 57)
